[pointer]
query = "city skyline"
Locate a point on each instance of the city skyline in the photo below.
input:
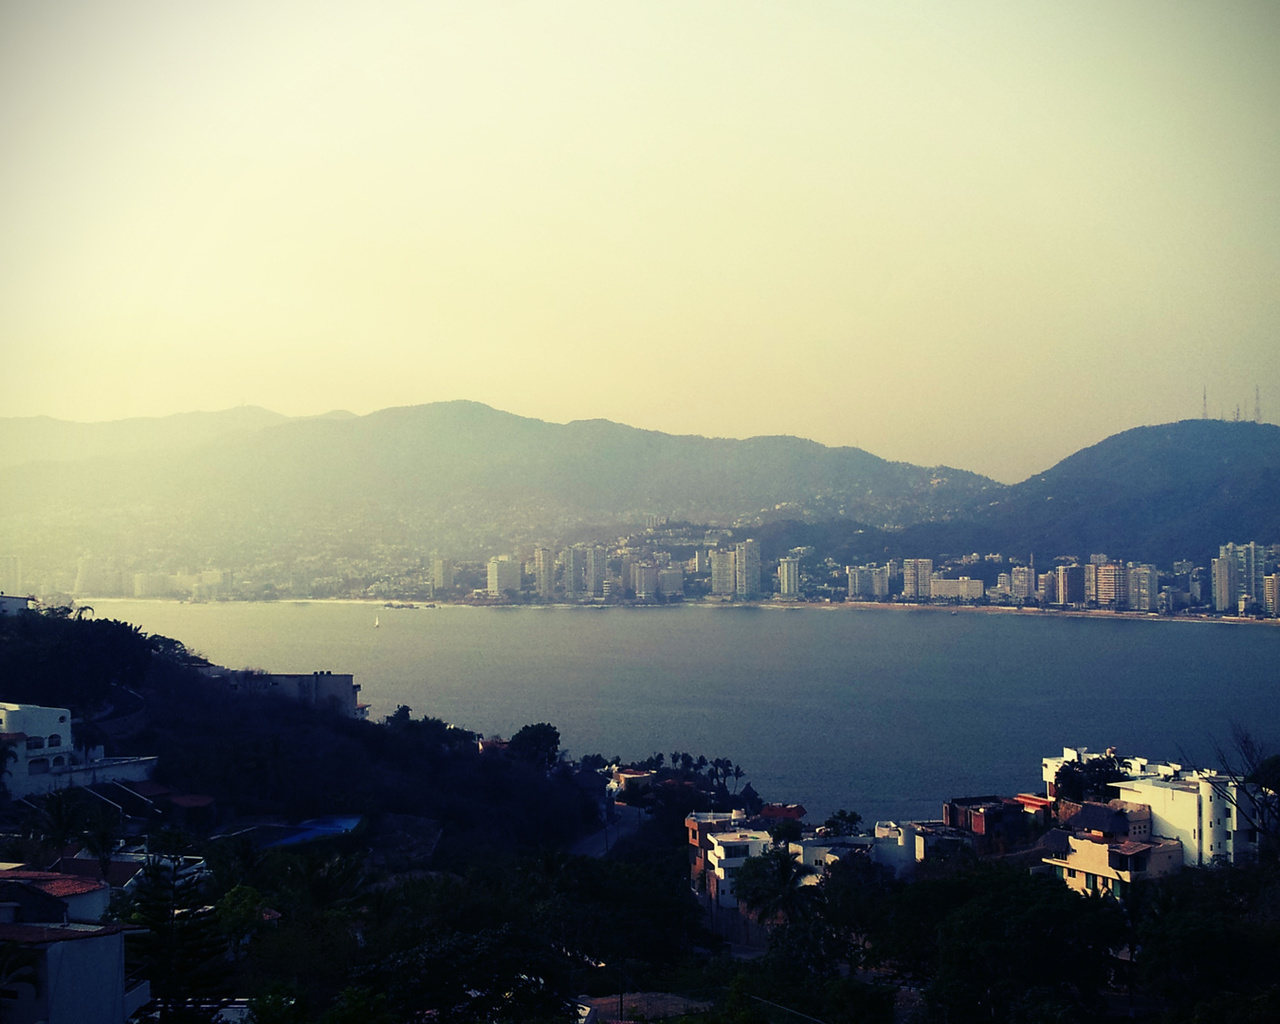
(983, 237)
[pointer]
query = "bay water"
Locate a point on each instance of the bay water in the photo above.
(885, 711)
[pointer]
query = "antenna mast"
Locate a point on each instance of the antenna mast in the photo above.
(1257, 405)
(1204, 403)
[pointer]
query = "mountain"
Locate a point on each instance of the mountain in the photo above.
(1157, 494)
(336, 497)
(453, 475)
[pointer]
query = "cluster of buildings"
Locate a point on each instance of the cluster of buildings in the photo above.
(1163, 816)
(1243, 580)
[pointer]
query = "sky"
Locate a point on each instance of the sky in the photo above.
(982, 235)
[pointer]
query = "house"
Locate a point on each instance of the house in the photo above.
(326, 691)
(725, 857)
(46, 758)
(1207, 811)
(700, 826)
(11, 604)
(75, 967)
(1105, 848)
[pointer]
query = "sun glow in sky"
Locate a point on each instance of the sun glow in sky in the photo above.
(981, 234)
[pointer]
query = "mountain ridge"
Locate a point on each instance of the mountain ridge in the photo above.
(462, 476)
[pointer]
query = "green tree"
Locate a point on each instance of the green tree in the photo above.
(182, 950)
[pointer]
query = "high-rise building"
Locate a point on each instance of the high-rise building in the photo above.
(575, 563)
(1070, 585)
(544, 573)
(1024, 582)
(789, 577)
(1144, 588)
(644, 579)
(917, 577)
(1250, 561)
(442, 574)
(748, 569)
(594, 571)
(1271, 595)
(671, 580)
(1112, 587)
(1226, 582)
(723, 572)
(504, 576)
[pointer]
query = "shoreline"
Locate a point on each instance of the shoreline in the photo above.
(779, 606)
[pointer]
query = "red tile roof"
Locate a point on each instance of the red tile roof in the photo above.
(53, 883)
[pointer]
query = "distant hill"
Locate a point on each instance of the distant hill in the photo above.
(334, 495)
(1150, 494)
(248, 486)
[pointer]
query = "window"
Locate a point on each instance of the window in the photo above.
(38, 766)
(55, 740)
(35, 742)
(1090, 880)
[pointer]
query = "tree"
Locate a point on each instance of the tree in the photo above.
(1255, 791)
(843, 823)
(784, 831)
(537, 744)
(1078, 781)
(772, 886)
(183, 952)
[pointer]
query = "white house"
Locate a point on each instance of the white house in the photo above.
(44, 758)
(727, 852)
(1201, 808)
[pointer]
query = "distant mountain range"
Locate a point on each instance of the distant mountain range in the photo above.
(247, 485)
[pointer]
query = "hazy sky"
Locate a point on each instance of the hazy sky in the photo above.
(978, 234)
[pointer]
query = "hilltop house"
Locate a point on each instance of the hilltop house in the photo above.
(327, 691)
(43, 758)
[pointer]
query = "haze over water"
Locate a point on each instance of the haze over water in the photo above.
(887, 712)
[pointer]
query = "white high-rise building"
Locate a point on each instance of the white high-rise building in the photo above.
(917, 577)
(644, 579)
(575, 563)
(723, 572)
(594, 571)
(504, 575)
(544, 572)
(789, 577)
(748, 569)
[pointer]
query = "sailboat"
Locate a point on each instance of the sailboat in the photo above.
(376, 623)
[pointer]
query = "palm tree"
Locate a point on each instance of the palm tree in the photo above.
(772, 887)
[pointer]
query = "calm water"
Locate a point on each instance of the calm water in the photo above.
(887, 712)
